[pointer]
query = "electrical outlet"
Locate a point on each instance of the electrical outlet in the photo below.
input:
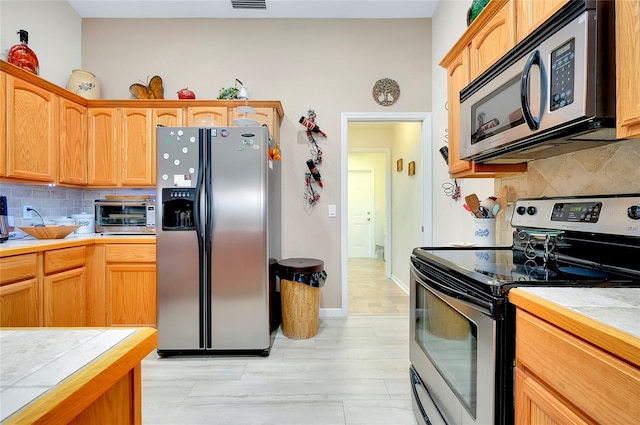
(26, 212)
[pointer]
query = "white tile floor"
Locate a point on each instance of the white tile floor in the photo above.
(355, 371)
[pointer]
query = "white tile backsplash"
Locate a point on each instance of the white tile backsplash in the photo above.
(54, 201)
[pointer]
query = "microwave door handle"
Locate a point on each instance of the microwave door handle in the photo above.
(532, 122)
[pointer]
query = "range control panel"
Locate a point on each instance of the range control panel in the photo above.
(574, 212)
(608, 214)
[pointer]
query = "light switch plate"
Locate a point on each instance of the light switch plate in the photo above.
(333, 212)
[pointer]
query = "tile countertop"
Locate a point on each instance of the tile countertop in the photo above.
(37, 361)
(31, 244)
(606, 317)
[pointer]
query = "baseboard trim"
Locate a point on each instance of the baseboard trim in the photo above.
(332, 312)
(401, 284)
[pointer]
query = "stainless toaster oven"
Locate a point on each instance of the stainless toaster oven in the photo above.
(122, 216)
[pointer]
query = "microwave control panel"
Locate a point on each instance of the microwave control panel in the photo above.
(562, 75)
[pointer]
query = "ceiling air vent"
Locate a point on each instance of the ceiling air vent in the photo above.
(249, 4)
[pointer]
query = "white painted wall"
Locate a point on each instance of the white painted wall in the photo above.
(407, 193)
(55, 35)
(451, 222)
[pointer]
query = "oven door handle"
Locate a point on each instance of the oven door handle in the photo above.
(478, 304)
(532, 122)
(436, 417)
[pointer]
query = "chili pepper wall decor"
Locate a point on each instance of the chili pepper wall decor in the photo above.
(313, 176)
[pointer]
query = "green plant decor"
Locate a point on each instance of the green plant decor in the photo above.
(228, 93)
(475, 9)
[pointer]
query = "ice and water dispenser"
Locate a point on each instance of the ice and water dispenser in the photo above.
(178, 208)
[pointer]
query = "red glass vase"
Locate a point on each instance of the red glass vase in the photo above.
(22, 56)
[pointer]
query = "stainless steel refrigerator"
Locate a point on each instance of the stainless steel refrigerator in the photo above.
(218, 240)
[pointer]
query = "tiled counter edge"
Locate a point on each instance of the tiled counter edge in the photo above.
(29, 245)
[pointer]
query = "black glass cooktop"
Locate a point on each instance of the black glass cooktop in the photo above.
(503, 266)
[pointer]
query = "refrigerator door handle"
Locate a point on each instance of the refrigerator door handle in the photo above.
(208, 233)
(200, 227)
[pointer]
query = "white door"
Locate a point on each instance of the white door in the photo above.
(360, 214)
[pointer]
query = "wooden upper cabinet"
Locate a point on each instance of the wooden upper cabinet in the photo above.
(168, 117)
(207, 116)
(32, 131)
(627, 66)
(495, 39)
(458, 78)
(103, 160)
(3, 126)
(137, 146)
(530, 14)
(73, 143)
(264, 116)
(489, 37)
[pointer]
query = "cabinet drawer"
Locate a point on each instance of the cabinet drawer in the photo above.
(594, 382)
(133, 253)
(18, 267)
(64, 259)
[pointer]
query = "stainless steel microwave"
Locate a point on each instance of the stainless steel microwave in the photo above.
(553, 93)
(123, 216)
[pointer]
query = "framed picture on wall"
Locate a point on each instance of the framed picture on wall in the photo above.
(412, 168)
(399, 165)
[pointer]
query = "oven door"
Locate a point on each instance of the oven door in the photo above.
(452, 349)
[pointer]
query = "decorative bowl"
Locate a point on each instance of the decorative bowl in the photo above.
(49, 232)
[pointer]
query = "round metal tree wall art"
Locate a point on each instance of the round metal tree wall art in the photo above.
(386, 92)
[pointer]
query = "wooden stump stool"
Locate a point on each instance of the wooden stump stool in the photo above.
(300, 282)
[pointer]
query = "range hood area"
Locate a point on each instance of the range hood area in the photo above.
(553, 93)
(571, 138)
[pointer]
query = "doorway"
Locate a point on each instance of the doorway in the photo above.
(362, 213)
(394, 266)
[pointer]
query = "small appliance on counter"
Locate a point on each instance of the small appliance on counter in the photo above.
(86, 221)
(4, 219)
(125, 216)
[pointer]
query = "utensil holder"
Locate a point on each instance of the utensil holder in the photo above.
(485, 231)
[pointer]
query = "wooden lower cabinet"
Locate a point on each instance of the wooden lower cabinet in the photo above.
(130, 284)
(536, 405)
(19, 304)
(64, 298)
(102, 284)
(64, 285)
(19, 291)
(562, 379)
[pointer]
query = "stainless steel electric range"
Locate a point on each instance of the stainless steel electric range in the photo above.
(462, 325)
